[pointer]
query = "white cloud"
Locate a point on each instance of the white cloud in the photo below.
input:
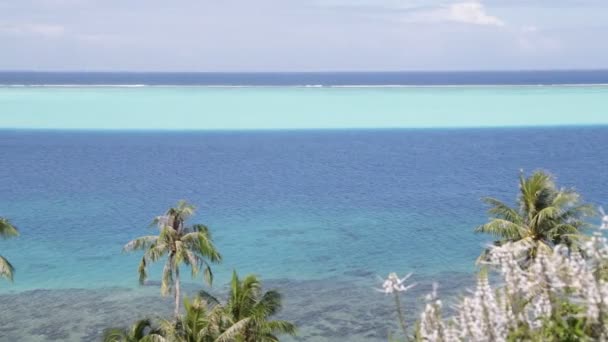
(470, 12)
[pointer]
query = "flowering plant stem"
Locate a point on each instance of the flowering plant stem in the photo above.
(400, 314)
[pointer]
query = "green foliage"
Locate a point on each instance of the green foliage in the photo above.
(249, 310)
(245, 317)
(202, 322)
(140, 331)
(544, 217)
(188, 245)
(567, 324)
(7, 230)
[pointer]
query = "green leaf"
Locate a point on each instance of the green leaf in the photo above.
(6, 269)
(7, 230)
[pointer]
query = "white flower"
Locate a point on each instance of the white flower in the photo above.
(525, 295)
(604, 219)
(433, 295)
(395, 284)
(522, 295)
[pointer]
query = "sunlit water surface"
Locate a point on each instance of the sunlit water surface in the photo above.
(318, 214)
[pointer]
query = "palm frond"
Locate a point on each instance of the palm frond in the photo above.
(160, 221)
(547, 213)
(208, 274)
(578, 212)
(6, 269)
(191, 260)
(140, 243)
(503, 211)
(182, 211)
(208, 298)
(138, 329)
(114, 335)
(282, 327)
(201, 228)
(563, 229)
(168, 328)
(7, 230)
(537, 191)
(524, 243)
(166, 283)
(270, 303)
(167, 235)
(502, 229)
(155, 338)
(565, 198)
(156, 251)
(236, 329)
(246, 314)
(201, 243)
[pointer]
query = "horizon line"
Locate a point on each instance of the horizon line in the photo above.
(306, 72)
(299, 129)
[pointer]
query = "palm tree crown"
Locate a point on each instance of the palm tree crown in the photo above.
(7, 230)
(249, 310)
(189, 245)
(140, 331)
(245, 317)
(202, 322)
(545, 215)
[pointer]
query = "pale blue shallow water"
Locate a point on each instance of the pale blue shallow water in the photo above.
(247, 108)
(300, 208)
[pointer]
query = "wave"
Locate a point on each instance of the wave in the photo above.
(74, 85)
(471, 85)
(299, 86)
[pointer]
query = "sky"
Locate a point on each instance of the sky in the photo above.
(302, 35)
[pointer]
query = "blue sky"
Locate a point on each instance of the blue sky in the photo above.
(300, 35)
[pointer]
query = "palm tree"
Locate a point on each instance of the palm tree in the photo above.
(140, 331)
(203, 321)
(7, 230)
(244, 318)
(249, 309)
(544, 217)
(190, 245)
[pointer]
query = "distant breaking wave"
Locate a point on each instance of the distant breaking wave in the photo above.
(346, 86)
(305, 80)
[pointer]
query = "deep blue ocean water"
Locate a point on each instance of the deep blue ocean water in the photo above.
(284, 204)
(320, 212)
(542, 77)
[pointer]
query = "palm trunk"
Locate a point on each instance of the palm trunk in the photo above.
(177, 292)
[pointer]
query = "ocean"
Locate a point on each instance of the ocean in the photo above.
(420, 78)
(319, 214)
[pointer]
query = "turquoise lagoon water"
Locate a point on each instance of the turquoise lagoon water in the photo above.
(317, 213)
(162, 108)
